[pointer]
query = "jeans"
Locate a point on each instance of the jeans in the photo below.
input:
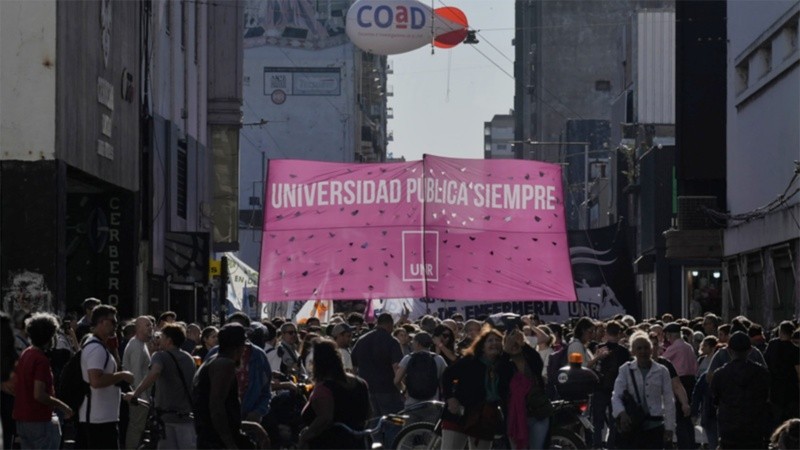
(39, 435)
(643, 439)
(600, 407)
(178, 436)
(387, 403)
(537, 432)
(711, 435)
(456, 440)
(137, 420)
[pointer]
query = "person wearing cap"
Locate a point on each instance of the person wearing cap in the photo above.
(342, 334)
(681, 354)
(421, 343)
(741, 391)
(721, 358)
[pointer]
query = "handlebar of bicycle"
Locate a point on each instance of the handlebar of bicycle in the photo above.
(397, 419)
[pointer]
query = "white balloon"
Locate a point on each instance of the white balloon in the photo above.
(387, 27)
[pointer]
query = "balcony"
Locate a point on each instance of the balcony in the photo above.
(390, 113)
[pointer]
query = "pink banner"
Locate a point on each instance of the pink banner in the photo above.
(458, 229)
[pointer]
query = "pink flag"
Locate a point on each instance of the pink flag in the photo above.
(449, 228)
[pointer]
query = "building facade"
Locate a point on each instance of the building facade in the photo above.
(107, 172)
(761, 244)
(309, 93)
(498, 137)
(70, 161)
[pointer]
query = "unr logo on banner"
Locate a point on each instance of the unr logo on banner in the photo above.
(420, 255)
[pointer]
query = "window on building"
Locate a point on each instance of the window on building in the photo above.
(741, 78)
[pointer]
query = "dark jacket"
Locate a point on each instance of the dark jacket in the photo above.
(470, 387)
(507, 369)
(702, 403)
(741, 390)
(481, 418)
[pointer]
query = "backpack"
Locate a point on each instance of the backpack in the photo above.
(422, 376)
(71, 387)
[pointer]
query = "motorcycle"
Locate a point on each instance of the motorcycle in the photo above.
(570, 424)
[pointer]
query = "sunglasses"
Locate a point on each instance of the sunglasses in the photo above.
(447, 335)
(290, 332)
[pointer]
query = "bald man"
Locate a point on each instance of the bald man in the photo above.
(137, 360)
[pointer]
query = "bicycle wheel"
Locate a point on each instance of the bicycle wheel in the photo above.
(418, 436)
(565, 439)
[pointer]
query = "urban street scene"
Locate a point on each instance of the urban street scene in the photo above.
(400, 224)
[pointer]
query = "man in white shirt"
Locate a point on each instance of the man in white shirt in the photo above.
(99, 412)
(343, 334)
(137, 360)
(270, 340)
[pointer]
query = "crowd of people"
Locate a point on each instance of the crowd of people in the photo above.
(278, 384)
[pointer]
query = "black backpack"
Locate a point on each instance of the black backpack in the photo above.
(71, 387)
(422, 376)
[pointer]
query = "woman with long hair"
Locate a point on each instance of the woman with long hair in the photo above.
(208, 340)
(473, 393)
(307, 351)
(337, 397)
(444, 342)
(528, 409)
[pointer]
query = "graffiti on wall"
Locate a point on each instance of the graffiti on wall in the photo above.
(26, 291)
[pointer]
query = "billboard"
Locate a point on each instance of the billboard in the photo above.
(448, 228)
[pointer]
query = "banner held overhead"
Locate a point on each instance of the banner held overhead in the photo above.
(451, 228)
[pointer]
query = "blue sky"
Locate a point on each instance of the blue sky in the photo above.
(441, 101)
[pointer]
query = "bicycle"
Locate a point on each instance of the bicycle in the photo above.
(368, 433)
(565, 424)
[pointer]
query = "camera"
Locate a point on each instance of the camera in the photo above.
(505, 322)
